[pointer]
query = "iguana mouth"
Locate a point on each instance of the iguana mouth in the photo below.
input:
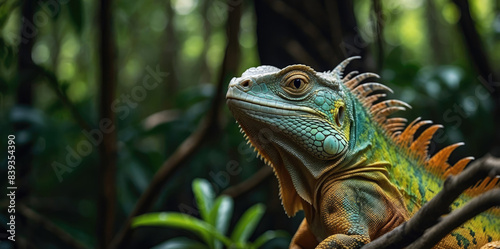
(272, 107)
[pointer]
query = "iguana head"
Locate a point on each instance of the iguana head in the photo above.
(299, 120)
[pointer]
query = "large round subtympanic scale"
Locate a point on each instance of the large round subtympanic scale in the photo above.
(331, 145)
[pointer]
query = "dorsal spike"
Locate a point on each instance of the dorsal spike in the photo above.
(392, 126)
(420, 145)
(368, 101)
(339, 69)
(388, 103)
(365, 89)
(349, 76)
(381, 115)
(391, 130)
(483, 186)
(396, 120)
(395, 135)
(352, 83)
(439, 162)
(407, 136)
(458, 167)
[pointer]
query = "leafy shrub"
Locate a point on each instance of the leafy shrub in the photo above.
(215, 215)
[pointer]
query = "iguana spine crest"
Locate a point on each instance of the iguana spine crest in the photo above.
(405, 137)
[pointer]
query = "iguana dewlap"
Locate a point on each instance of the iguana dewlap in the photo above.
(355, 172)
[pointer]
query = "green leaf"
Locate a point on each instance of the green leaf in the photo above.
(6, 9)
(180, 243)
(267, 236)
(220, 215)
(247, 223)
(204, 197)
(179, 220)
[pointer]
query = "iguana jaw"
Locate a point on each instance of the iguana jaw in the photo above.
(290, 199)
(275, 108)
(239, 98)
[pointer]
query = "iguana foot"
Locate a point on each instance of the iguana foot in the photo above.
(492, 245)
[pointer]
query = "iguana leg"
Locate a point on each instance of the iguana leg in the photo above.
(344, 241)
(303, 238)
(355, 211)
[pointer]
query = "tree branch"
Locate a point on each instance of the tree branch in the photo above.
(188, 147)
(32, 216)
(179, 157)
(306, 26)
(456, 218)
(169, 55)
(297, 52)
(432, 211)
(475, 45)
(379, 32)
(249, 184)
(54, 84)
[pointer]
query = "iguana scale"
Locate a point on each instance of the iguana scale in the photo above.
(355, 172)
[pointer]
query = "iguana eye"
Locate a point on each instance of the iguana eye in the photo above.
(296, 84)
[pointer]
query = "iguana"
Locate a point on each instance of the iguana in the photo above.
(355, 172)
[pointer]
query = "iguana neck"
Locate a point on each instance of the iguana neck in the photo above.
(372, 149)
(295, 165)
(366, 143)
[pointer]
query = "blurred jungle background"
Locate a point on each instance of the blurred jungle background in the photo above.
(117, 106)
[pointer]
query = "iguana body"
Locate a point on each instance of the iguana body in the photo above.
(356, 173)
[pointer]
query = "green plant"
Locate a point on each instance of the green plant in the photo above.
(211, 228)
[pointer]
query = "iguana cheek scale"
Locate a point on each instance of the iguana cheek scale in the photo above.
(355, 172)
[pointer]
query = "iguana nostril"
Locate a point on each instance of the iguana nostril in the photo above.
(246, 83)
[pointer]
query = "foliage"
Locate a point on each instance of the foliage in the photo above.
(216, 214)
(186, 38)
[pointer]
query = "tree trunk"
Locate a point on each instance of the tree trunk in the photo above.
(487, 76)
(24, 103)
(318, 33)
(107, 149)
